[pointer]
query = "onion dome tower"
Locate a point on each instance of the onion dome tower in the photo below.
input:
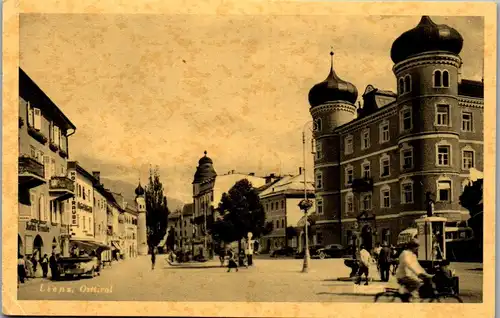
(140, 204)
(332, 104)
(427, 68)
(205, 170)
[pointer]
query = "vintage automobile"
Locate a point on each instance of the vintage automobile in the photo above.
(331, 251)
(283, 251)
(78, 266)
(313, 251)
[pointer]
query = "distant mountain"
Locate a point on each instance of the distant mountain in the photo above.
(128, 191)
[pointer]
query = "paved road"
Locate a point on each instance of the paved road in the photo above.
(270, 280)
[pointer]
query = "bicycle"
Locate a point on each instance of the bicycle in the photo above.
(427, 293)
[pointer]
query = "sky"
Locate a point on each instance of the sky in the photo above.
(160, 89)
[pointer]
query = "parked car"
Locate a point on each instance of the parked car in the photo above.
(283, 251)
(313, 251)
(332, 250)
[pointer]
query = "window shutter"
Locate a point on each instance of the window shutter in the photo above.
(33, 205)
(46, 166)
(51, 131)
(57, 136)
(38, 118)
(30, 115)
(53, 167)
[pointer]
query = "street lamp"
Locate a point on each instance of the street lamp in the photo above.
(305, 204)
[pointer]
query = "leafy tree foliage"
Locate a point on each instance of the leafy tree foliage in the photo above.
(156, 209)
(241, 212)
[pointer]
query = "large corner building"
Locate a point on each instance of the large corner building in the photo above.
(378, 163)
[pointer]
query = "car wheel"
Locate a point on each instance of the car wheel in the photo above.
(322, 255)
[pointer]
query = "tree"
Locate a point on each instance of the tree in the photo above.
(472, 200)
(241, 212)
(156, 209)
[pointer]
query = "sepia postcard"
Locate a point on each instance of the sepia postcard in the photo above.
(249, 158)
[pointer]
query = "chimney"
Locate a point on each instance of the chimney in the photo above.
(232, 171)
(97, 175)
(300, 170)
(252, 174)
(272, 175)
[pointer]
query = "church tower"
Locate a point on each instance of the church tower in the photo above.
(140, 202)
(332, 105)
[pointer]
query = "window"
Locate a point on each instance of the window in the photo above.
(466, 121)
(349, 203)
(444, 191)
(441, 78)
(319, 180)
(365, 139)
(467, 159)
(366, 202)
(385, 197)
(407, 192)
(277, 224)
(407, 84)
(52, 167)
(401, 86)
(282, 223)
(42, 211)
(83, 222)
(385, 162)
(384, 132)
(406, 157)
(33, 152)
(46, 167)
(30, 115)
(349, 175)
(365, 168)
(348, 149)
(442, 115)
(319, 206)
(33, 206)
(319, 153)
(406, 119)
(83, 190)
(443, 155)
(318, 125)
(282, 204)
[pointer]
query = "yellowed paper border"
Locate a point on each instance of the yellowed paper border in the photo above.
(10, 130)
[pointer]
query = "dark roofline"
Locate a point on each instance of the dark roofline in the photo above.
(28, 87)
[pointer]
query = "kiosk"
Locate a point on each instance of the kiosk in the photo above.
(431, 235)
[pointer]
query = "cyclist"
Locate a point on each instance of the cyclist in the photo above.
(409, 272)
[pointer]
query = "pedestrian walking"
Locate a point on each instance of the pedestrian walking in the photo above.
(54, 271)
(384, 262)
(222, 256)
(364, 263)
(21, 269)
(29, 268)
(232, 261)
(153, 258)
(34, 261)
(249, 251)
(44, 263)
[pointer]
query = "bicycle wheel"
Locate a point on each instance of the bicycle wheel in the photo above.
(448, 298)
(388, 297)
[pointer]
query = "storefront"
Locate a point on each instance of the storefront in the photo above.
(38, 238)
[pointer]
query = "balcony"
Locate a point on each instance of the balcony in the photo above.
(31, 173)
(61, 188)
(362, 185)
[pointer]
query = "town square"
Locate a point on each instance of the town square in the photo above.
(322, 161)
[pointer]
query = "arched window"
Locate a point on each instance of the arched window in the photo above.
(446, 79)
(283, 224)
(437, 78)
(401, 86)
(407, 84)
(318, 124)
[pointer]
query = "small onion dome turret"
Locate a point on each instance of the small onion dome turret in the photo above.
(427, 36)
(332, 89)
(205, 169)
(139, 190)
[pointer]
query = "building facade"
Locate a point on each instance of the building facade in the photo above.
(130, 216)
(377, 166)
(42, 174)
(82, 216)
(207, 192)
(281, 204)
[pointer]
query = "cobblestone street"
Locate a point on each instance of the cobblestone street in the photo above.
(270, 280)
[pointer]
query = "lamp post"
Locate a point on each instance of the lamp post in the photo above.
(305, 204)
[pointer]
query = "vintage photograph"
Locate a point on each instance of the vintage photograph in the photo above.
(250, 158)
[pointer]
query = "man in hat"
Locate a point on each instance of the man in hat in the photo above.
(409, 272)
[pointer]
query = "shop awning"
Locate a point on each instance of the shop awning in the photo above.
(89, 245)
